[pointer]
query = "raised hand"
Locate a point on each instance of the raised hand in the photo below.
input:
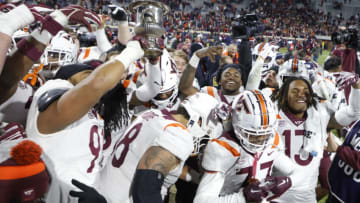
(265, 52)
(344, 79)
(78, 14)
(118, 13)
(210, 52)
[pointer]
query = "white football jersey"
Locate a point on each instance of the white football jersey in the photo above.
(15, 109)
(226, 155)
(152, 128)
(305, 176)
(77, 150)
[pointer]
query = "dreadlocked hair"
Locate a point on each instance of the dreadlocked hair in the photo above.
(114, 109)
(282, 94)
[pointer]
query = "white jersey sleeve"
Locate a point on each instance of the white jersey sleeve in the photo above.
(210, 187)
(176, 139)
(219, 156)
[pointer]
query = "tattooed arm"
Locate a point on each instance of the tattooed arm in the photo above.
(154, 165)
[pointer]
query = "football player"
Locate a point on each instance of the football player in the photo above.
(302, 127)
(229, 79)
(150, 156)
(63, 121)
(238, 164)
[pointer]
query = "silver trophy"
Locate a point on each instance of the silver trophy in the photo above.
(149, 24)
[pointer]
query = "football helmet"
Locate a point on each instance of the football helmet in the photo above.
(295, 68)
(254, 120)
(62, 50)
(203, 120)
(170, 83)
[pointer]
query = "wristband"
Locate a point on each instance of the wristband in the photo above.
(29, 50)
(194, 61)
(59, 17)
(15, 19)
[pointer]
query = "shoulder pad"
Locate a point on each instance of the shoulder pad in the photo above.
(210, 90)
(49, 97)
(219, 156)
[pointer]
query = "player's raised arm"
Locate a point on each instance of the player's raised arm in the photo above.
(71, 106)
(187, 78)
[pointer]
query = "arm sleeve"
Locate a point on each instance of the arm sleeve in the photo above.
(151, 86)
(254, 78)
(102, 41)
(346, 115)
(350, 156)
(210, 187)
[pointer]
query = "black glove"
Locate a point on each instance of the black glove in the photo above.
(117, 13)
(88, 194)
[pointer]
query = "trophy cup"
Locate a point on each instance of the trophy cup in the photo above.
(149, 24)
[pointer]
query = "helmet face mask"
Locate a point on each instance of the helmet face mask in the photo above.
(254, 141)
(254, 120)
(62, 50)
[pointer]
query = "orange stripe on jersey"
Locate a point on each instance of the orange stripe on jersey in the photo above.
(265, 116)
(87, 52)
(175, 125)
(261, 47)
(276, 140)
(126, 83)
(17, 172)
(278, 116)
(294, 65)
(210, 91)
(136, 75)
(232, 150)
